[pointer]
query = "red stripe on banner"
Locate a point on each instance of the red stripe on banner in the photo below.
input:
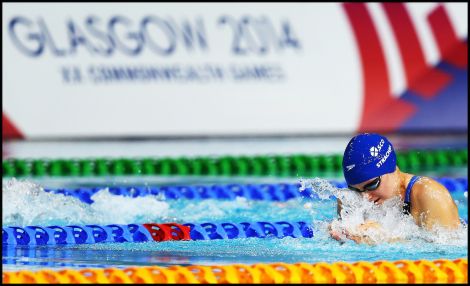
(451, 49)
(381, 112)
(9, 130)
(421, 79)
(376, 83)
(412, 56)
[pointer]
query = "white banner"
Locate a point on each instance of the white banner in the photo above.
(143, 69)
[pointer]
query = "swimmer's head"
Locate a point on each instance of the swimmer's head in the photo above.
(368, 156)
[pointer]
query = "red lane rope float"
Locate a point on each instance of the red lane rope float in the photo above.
(168, 231)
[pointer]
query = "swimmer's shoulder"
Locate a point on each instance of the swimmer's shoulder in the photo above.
(432, 204)
(427, 189)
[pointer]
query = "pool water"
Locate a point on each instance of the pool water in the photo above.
(26, 203)
(36, 207)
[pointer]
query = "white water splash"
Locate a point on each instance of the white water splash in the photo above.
(321, 187)
(394, 225)
(110, 208)
(26, 203)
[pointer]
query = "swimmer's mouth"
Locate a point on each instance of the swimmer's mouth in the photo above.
(376, 201)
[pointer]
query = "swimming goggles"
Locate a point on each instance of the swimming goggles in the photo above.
(372, 186)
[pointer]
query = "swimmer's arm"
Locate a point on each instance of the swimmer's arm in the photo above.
(334, 234)
(339, 208)
(360, 233)
(356, 235)
(437, 208)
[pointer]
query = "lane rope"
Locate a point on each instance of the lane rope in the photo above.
(279, 192)
(400, 271)
(263, 165)
(118, 233)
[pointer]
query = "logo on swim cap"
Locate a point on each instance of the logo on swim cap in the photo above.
(374, 151)
(349, 167)
(368, 156)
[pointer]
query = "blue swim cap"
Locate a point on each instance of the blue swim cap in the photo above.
(368, 156)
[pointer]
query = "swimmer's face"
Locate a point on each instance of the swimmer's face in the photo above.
(386, 189)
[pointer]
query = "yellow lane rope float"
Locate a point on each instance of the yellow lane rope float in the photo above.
(401, 271)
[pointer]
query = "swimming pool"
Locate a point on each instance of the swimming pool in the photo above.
(25, 203)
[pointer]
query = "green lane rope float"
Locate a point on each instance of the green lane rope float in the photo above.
(264, 165)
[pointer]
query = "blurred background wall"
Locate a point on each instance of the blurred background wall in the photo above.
(95, 70)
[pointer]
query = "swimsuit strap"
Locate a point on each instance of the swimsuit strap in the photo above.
(409, 187)
(407, 204)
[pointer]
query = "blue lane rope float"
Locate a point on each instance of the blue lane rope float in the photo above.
(265, 192)
(117, 233)
(229, 230)
(74, 234)
(262, 192)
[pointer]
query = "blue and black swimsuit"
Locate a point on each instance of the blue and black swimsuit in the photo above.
(407, 204)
